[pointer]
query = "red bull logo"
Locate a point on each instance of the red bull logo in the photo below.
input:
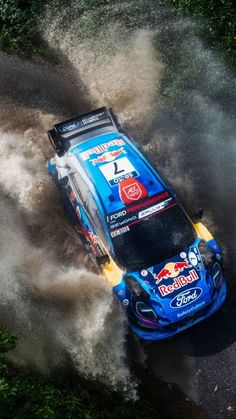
(92, 238)
(108, 156)
(171, 270)
(101, 148)
(180, 282)
(180, 266)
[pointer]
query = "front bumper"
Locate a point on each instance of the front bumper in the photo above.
(152, 335)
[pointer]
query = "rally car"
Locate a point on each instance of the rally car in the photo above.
(164, 268)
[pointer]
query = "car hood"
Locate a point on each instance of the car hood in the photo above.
(179, 285)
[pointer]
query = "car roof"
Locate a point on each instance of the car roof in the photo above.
(107, 159)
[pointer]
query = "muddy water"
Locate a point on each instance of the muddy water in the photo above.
(177, 98)
(50, 298)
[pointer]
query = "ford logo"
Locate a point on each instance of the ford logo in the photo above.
(186, 297)
(70, 127)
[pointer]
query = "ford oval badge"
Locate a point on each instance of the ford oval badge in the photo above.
(186, 297)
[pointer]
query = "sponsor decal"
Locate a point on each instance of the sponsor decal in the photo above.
(144, 272)
(81, 122)
(116, 215)
(125, 302)
(178, 283)
(192, 258)
(93, 118)
(119, 231)
(171, 270)
(186, 297)
(72, 196)
(190, 311)
(92, 238)
(129, 214)
(120, 293)
(189, 324)
(134, 208)
(148, 202)
(125, 221)
(131, 190)
(70, 127)
(183, 255)
(117, 171)
(101, 148)
(154, 208)
(108, 156)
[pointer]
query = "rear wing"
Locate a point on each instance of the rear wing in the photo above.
(76, 130)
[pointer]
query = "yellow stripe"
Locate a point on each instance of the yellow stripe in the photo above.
(112, 272)
(202, 232)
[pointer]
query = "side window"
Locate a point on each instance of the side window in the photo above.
(96, 219)
(92, 207)
(89, 204)
(80, 186)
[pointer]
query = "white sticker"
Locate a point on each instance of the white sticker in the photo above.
(154, 208)
(119, 231)
(192, 258)
(118, 170)
(144, 272)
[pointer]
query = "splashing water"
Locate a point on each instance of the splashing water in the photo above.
(176, 97)
(54, 307)
(119, 67)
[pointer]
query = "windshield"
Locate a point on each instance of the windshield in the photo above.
(154, 239)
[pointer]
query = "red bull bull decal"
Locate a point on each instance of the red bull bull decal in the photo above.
(108, 156)
(178, 283)
(171, 270)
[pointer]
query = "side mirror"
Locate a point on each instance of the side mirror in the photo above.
(102, 260)
(197, 216)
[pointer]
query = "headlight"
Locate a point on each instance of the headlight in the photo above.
(145, 310)
(206, 254)
(216, 275)
(136, 289)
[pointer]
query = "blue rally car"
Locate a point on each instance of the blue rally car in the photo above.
(164, 268)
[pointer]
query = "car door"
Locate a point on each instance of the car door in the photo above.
(82, 197)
